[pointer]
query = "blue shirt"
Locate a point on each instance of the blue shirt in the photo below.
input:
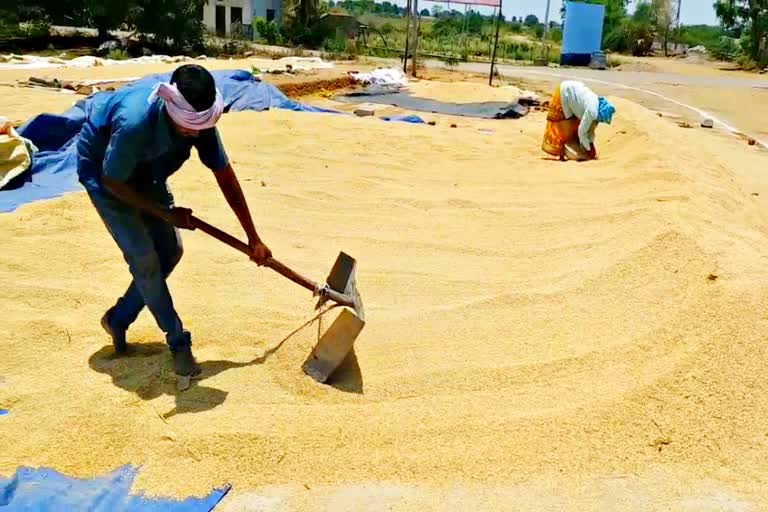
(129, 139)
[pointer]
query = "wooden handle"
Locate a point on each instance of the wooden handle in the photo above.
(272, 263)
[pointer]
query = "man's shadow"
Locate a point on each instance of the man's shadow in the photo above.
(147, 371)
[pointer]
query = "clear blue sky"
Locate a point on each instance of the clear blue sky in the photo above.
(694, 12)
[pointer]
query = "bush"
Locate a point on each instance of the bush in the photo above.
(451, 61)
(703, 35)
(746, 63)
(267, 30)
(308, 37)
(725, 49)
(35, 29)
(387, 28)
(446, 27)
(613, 61)
(616, 40)
(213, 48)
(118, 54)
(334, 46)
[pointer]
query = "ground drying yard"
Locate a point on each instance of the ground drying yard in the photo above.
(540, 336)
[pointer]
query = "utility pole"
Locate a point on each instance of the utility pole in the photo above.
(407, 36)
(677, 23)
(544, 37)
(546, 22)
(495, 44)
(417, 26)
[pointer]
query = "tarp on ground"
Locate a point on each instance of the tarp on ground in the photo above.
(54, 168)
(44, 490)
(402, 99)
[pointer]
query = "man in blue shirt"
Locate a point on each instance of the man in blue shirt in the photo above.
(128, 147)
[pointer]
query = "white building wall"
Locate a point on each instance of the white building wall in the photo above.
(209, 13)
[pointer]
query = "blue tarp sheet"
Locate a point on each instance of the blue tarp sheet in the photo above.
(404, 119)
(44, 490)
(583, 28)
(54, 169)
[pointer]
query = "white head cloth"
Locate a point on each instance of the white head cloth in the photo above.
(182, 113)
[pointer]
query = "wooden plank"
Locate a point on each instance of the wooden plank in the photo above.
(333, 346)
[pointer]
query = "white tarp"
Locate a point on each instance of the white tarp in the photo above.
(13, 61)
(296, 63)
(389, 76)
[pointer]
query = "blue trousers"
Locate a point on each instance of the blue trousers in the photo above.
(152, 248)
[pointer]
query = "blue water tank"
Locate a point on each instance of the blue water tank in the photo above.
(582, 32)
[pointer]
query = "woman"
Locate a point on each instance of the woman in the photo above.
(574, 112)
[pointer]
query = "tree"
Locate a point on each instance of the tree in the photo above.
(176, 23)
(642, 29)
(531, 20)
(105, 15)
(475, 22)
(424, 12)
(436, 11)
(665, 21)
(332, 4)
(747, 19)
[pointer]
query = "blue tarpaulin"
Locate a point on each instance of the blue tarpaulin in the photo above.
(405, 119)
(44, 490)
(582, 32)
(54, 168)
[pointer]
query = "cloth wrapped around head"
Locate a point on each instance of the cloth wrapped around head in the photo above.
(182, 113)
(605, 111)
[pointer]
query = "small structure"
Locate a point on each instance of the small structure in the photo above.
(228, 18)
(582, 33)
(341, 25)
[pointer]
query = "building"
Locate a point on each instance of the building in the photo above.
(231, 17)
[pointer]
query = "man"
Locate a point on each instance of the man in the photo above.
(128, 147)
(574, 112)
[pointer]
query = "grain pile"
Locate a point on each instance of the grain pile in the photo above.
(567, 336)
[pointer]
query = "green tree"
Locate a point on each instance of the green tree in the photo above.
(531, 20)
(106, 15)
(177, 24)
(640, 29)
(747, 19)
(665, 18)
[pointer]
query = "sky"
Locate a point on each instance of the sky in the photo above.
(694, 12)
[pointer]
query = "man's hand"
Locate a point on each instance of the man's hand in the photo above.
(179, 217)
(260, 253)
